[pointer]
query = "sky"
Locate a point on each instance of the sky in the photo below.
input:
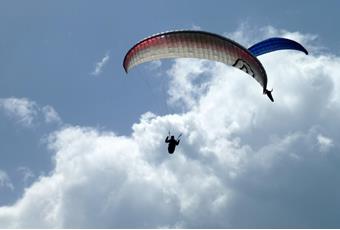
(82, 142)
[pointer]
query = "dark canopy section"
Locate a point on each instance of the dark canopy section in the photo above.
(274, 44)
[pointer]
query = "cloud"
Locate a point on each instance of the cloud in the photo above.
(50, 115)
(20, 109)
(196, 27)
(27, 112)
(27, 174)
(5, 181)
(154, 65)
(325, 143)
(100, 65)
(243, 160)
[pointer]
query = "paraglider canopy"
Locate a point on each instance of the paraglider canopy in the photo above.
(196, 44)
(206, 45)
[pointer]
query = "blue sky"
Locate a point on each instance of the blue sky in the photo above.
(72, 122)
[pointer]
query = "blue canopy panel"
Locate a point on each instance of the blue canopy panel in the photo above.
(274, 44)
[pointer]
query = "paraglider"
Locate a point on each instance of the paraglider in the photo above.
(172, 143)
(210, 46)
(196, 44)
(206, 45)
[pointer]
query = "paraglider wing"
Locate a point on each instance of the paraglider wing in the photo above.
(274, 44)
(196, 44)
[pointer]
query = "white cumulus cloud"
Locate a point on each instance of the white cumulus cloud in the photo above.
(21, 109)
(27, 112)
(243, 161)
